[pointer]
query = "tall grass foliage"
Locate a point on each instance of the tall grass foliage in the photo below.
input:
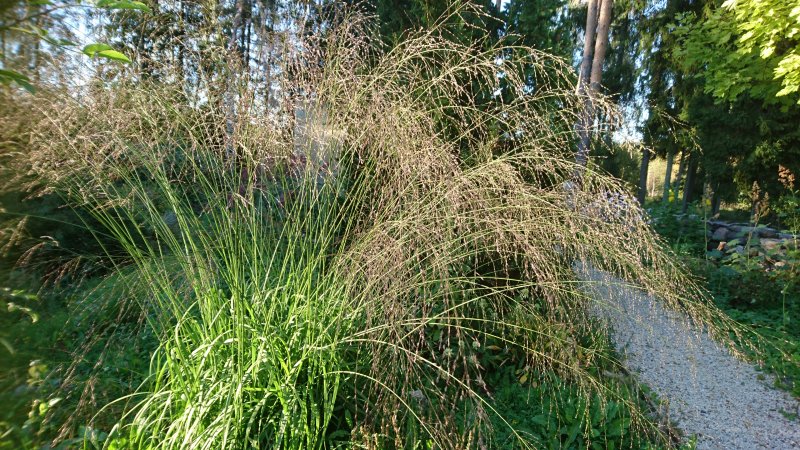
(327, 277)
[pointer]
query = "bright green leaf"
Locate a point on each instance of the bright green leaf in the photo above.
(113, 54)
(7, 345)
(123, 4)
(12, 75)
(93, 49)
(26, 85)
(787, 90)
(106, 51)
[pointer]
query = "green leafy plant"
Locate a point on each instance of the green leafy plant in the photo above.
(554, 415)
(23, 16)
(788, 205)
(742, 52)
(685, 233)
(18, 300)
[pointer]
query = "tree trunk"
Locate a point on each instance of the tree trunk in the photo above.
(601, 45)
(716, 201)
(230, 89)
(598, 26)
(265, 37)
(246, 36)
(668, 177)
(498, 4)
(583, 82)
(181, 47)
(679, 178)
(691, 174)
(643, 175)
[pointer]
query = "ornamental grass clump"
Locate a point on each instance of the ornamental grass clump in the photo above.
(329, 274)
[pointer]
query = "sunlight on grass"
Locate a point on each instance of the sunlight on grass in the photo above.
(330, 282)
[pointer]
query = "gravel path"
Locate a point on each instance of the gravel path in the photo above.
(708, 392)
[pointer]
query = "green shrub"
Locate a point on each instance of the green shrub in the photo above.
(86, 349)
(555, 415)
(684, 232)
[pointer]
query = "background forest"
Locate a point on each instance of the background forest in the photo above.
(334, 224)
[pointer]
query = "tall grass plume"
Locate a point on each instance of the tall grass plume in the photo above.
(328, 274)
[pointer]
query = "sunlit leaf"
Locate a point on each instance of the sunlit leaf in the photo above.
(26, 85)
(106, 51)
(13, 307)
(787, 90)
(123, 4)
(113, 54)
(10, 76)
(93, 49)
(7, 345)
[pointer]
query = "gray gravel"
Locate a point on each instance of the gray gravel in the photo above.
(706, 391)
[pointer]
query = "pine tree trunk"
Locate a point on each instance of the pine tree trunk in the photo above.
(679, 178)
(246, 35)
(266, 40)
(691, 174)
(583, 83)
(643, 169)
(601, 44)
(600, 27)
(668, 177)
(230, 89)
(716, 201)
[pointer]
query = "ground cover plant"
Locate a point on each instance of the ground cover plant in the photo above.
(77, 351)
(355, 271)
